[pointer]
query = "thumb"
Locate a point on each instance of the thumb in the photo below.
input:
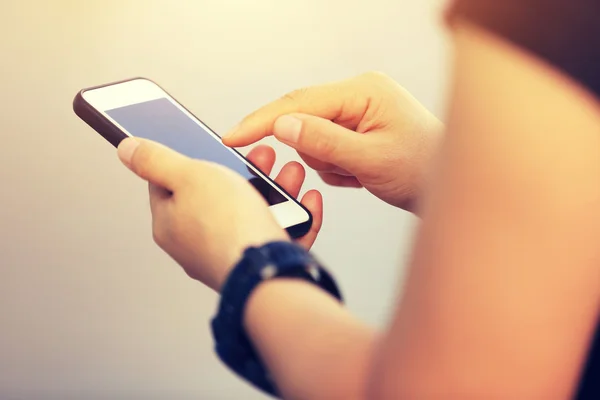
(321, 139)
(153, 162)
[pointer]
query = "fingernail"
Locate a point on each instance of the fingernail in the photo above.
(126, 149)
(287, 128)
(231, 132)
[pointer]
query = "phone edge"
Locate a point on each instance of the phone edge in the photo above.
(95, 119)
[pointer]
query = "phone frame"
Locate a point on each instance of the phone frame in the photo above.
(114, 135)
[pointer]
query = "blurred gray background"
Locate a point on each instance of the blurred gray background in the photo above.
(90, 308)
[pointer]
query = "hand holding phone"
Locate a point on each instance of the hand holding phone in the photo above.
(140, 108)
(206, 244)
(196, 225)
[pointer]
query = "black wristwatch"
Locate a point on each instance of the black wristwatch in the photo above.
(274, 260)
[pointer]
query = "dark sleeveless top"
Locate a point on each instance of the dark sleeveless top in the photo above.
(565, 34)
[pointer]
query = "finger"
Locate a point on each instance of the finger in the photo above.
(316, 164)
(153, 162)
(291, 178)
(321, 166)
(263, 157)
(323, 140)
(338, 101)
(340, 180)
(313, 201)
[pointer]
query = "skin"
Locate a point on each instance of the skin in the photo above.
(366, 131)
(503, 291)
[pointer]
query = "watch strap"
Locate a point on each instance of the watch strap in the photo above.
(273, 260)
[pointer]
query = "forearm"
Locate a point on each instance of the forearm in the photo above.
(313, 347)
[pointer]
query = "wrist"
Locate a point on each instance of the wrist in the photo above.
(258, 267)
(267, 294)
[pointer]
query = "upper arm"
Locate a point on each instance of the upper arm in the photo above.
(504, 289)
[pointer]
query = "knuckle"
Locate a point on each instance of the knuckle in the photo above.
(295, 96)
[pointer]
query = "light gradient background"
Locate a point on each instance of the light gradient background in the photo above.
(90, 308)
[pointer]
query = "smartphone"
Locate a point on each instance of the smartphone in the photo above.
(139, 107)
